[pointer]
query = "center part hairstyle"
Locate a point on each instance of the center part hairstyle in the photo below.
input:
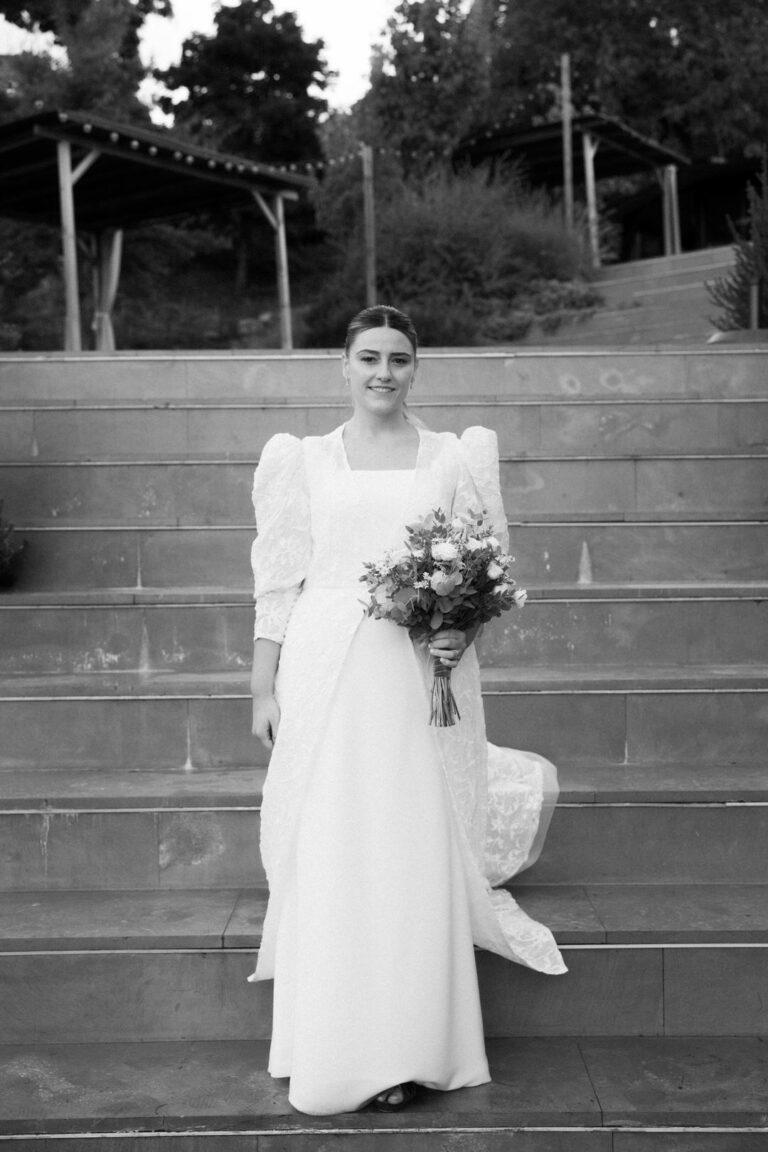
(381, 316)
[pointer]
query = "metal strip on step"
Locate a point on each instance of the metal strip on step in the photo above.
(209, 950)
(282, 1132)
(183, 405)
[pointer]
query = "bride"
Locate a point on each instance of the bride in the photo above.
(382, 837)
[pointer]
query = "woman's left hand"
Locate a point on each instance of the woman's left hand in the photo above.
(449, 645)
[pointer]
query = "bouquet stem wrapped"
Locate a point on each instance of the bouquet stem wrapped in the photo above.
(445, 710)
(450, 574)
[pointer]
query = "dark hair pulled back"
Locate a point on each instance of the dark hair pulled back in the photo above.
(381, 316)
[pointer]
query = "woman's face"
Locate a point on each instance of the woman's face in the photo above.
(379, 369)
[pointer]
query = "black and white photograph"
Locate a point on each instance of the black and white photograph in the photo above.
(383, 576)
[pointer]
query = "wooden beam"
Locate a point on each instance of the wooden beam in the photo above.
(567, 117)
(674, 209)
(73, 340)
(590, 146)
(86, 163)
(276, 219)
(369, 223)
(199, 170)
(283, 284)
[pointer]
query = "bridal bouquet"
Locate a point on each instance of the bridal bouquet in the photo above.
(451, 573)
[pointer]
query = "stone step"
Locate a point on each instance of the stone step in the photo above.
(461, 373)
(95, 921)
(688, 280)
(40, 790)
(636, 551)
(658, 960)
(581, 714)
(179, 430)
(105, 633)
(218, 492)
(99, 829)
(702, 259)
(639, 1094)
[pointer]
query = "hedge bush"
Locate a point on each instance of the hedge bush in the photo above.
(465, 256)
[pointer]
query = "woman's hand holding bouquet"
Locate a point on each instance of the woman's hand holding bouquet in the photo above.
(450, 574)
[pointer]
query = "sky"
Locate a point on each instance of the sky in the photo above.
(348, 27)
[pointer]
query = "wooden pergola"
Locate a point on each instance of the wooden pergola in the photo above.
(89, 175)
(608, 147)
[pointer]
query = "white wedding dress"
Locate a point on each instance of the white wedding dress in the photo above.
(381, 835)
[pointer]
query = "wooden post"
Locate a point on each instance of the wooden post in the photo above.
(370, 225)
(567, 116)
(283, 284)
(73, 340)
(277, 222)
(674, 209)
(590, 147)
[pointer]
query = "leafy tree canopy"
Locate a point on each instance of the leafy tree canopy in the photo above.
(426, 81)
(101, 71)
(253, 88)
(62, 17)
(689, 72)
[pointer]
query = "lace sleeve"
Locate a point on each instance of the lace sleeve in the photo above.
(478, 481)
(281, 551)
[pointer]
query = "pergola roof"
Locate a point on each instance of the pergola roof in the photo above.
(140, 175)
(622, 150)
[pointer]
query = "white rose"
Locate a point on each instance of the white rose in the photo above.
(491, 542)
(494, 570)
(443, 583)
(444, 550)
(474, 545)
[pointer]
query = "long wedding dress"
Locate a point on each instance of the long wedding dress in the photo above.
(381, 836)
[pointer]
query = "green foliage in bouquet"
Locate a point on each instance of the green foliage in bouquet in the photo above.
(732, 293)
(450, 573)
(11, 549)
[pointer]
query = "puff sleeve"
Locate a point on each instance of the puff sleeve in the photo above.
(478, 480)
(281, 551)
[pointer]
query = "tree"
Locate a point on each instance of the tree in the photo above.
(252, 88)
(101, 71)
(689, 72)
(733, 293)
(427, 81)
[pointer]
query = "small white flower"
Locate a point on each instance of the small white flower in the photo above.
(444, 550)
(494, 570)
(520, 597)
(491, 542)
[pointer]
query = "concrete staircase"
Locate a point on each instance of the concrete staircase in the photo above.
(659, 301)
(131, 890)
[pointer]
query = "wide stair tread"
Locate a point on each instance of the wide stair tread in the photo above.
(651, 915)
(206, 1087)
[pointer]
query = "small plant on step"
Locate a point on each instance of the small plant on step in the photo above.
(11, 549)
(733, 293)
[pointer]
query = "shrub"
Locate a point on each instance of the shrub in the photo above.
(732, 293)
(11, 549)
(457, 252)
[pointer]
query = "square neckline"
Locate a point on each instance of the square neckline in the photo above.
(379, 471)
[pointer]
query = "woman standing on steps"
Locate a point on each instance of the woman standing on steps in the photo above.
(380, 834)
